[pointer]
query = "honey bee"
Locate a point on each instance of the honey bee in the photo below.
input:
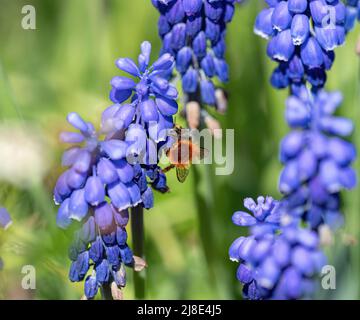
(182, 153)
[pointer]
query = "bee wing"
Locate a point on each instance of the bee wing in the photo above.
(182, 173)
(203, 153)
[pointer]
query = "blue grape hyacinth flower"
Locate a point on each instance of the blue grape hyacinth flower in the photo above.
(97, 189)
(279, 259)
(5, 223)
(302, 37)
(352, 13)
(114, 169)
(193, 31)
(316, 157)
(5, 219)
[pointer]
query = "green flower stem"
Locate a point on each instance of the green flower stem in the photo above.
(137, 230)
(106, 292)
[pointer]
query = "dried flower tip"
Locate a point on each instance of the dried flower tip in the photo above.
(214, 126)
(349, 239)
(358, 47)
(221, 101)
(193, 114)
(139, 264)
(326, 235)
(116, 293)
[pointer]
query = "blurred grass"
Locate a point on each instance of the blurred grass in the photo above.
(66, 65)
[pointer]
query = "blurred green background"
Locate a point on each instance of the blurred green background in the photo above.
(66, 65)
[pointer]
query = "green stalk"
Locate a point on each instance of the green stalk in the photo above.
(137, 230)
(106, 292)
(356, 252)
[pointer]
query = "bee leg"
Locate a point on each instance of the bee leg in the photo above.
(168, 168)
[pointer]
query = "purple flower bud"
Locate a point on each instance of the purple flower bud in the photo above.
(119, 196)
(279, 78)
(212, 31)
(165, 62)
(144, 57)
(319, 11)
(229, 13)
(330, 38)
(128, 65)
(167, 107)
(104, 216)
(281, 17)
(120, 277)
(281, 252)
(208, 65)
(246, 247)
(207, 92)
(63, 219)
(302, 261)
(5, 220)
(88, 230)
(291, 284)
(190, 80)
(77, 122)
(148, 110)
(121, 236)
(121, 217)
(134, 193)
(297, 6)
(119, 96)
(261, 250)
(291, 145)
(307, 165)
(71, 137)
(213, 10)
(243, 219)
(62, 188)
(199, 45)
(192, 7)
(96, 250)
(69, 156)
(193, 25)
(102, 271)
(113, 255)
(78, 206)
(91, 287)
(222, 69)
(122, 83)
(311, 53)
(219, 49)
(341, 151)
(300, 29)
(268, 273)
(234, 252)
(147, 198)
(94, 191)
(283, 47)
(244, 274)
(115, 149)
(82, 161)
(124, 170)
(183, 59)
(176, 12)
(126, 255)
(106, 171)
(178, 36)
(297, 113)
(289, 179)
(337, 126)
(263, 24)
